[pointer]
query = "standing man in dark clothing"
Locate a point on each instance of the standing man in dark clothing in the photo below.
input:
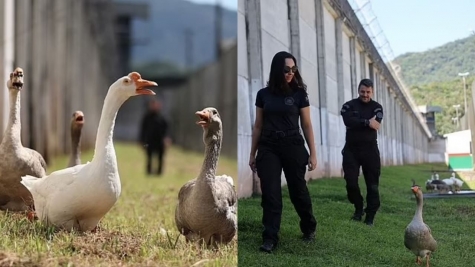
(153, 131)
(362, 117)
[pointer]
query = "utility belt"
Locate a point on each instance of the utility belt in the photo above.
(357, 145)
(280, 134)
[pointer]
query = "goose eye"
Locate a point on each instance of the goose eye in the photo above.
(214, 112)
(126, 81)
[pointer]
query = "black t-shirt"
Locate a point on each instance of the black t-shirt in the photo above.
(153, 129)
(356, 115)
(281, 112)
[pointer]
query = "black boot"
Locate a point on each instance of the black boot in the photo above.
(358, 215)
(309, 237)
(369, 219)
(268, 246)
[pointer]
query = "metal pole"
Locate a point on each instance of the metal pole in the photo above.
(465, 110)
(457, 114)
(463, 75)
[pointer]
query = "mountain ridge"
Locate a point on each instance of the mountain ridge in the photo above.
(439, 64)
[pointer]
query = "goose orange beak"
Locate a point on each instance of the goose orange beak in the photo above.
(141, 84)
(142, 87)
(204, 118)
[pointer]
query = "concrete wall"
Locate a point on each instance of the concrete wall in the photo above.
(67, 51)
(436, 151)
(214, 85)
(333, 53)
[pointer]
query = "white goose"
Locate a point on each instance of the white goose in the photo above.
(78, 197)
(457, 182)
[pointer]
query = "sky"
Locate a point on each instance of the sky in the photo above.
(229, 4)
(414, 25)
(418, 25)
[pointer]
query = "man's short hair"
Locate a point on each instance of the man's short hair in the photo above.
(366, 82)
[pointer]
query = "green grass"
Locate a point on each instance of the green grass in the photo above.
(341, 242)
(138, 231)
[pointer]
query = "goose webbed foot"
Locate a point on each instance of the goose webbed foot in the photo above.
(418, 260)
(96, 229)
(32, 216)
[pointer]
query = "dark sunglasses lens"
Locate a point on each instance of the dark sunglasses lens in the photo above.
(287, 69)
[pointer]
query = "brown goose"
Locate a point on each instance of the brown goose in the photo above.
(206, 210)
(77, 122)
(16, 160)
(418, 236)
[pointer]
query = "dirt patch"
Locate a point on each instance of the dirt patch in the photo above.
(12, 260)
(467, 175)
(103, 244)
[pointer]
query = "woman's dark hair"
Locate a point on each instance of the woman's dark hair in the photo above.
(277, 83)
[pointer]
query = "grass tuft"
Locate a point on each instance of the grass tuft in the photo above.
(138, 231)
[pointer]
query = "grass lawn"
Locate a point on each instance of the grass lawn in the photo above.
(341, 242)
(138, 231)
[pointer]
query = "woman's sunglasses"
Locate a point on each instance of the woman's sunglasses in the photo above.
(287, 69)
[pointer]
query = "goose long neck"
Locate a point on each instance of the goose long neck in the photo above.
(104, 143)
(212, 151)
(420, 203)
(13, 131)
(75, 143)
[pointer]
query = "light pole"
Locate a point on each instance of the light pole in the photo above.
(457, 114)
(463, 75)
(455, 120)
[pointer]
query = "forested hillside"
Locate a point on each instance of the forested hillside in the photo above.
(440, 64)
(433, 78)
(443, 94)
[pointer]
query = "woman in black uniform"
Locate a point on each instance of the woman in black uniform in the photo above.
(280, 146)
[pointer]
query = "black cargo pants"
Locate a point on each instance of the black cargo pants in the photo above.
(287, 153)
(155, 149)
(368, 158)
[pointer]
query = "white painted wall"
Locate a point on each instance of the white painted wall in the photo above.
(324, 58)
(244, 106)
(458, 142)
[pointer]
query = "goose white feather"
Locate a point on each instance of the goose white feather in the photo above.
(78, 197)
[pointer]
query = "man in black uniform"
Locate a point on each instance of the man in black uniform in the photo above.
(153, 131)
(362, 117)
